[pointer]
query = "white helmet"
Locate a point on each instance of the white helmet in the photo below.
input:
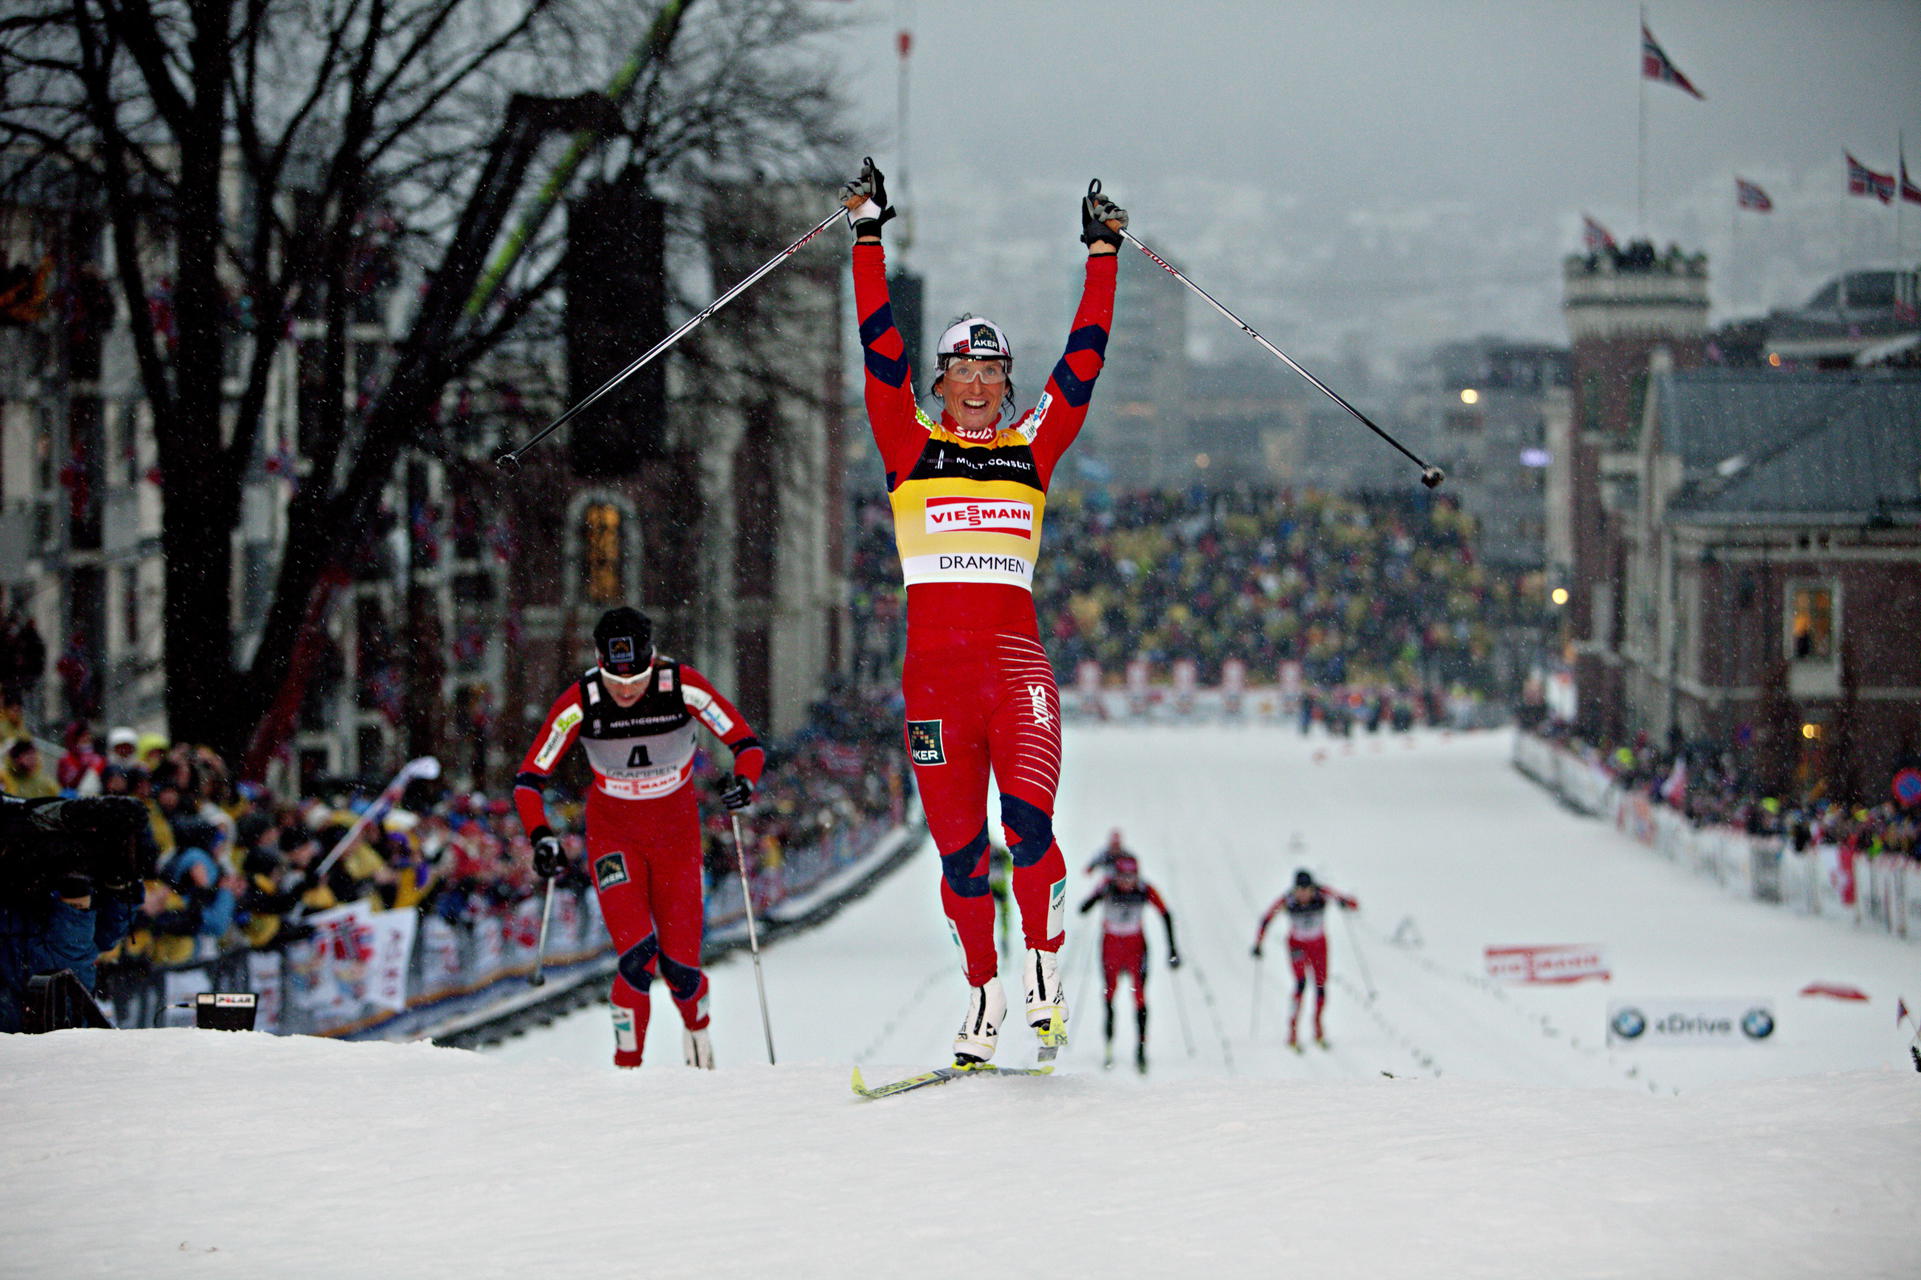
(972, 338)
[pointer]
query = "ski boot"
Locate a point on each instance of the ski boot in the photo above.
(981, 1029)
(699, 1048)
(1046, 1002)
(1107, 1060)
(1140, 1058)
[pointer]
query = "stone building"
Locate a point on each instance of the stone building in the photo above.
(1621, 305)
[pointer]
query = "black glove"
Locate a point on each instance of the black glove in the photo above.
(737, 793)
(1257, 951)
(550, 859)
(1096, 212)
(1173, 959)
(871, 189)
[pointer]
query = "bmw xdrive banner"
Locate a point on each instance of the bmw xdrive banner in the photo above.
(1690, 1022)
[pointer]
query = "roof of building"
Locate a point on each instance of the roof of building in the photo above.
(1766, 446)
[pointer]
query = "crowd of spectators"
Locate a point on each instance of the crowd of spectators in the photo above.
(241, 867)
(1710, 785)
(1367, 593)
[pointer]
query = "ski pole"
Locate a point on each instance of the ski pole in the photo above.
(1430, 476)
(539, 976)
(1354, 941)
(510, 460)
(1254, 1019)
(1180, 1008)
(753, 936)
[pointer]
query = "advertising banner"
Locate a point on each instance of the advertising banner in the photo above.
(1690, 1022)
(441, 968)
(263, 976)
(391, 942)
(1555, 963)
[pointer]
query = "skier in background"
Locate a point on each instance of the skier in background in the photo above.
(1305, 904)
(968, 494)
(1000, 883)
(1125, 898)
(1102, 863)
(635, 713)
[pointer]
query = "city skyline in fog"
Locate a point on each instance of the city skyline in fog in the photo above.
(1385, 175)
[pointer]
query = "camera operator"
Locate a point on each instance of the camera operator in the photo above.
(71, 875)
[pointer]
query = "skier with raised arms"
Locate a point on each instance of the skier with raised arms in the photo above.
(1306, 905)
(635, 713)
(968, 492)
(1124, 899)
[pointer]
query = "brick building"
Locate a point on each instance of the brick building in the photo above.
(1773, 567)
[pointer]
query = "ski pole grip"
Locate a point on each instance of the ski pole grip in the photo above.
(1094, 189)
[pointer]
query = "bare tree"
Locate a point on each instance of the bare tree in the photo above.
(262, 162)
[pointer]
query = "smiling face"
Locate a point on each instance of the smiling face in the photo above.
(971, 400)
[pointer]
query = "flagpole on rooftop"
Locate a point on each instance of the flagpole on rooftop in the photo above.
(1734, 237)
(1641, 155)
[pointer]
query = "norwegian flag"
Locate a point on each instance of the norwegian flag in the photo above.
(1749, 196)
(1656, 66)
(1909, 192)
(1594, 236)
(1675, 789)
(1863, 181)
(841, 759)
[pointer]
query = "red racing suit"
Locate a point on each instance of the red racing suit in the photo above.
(643, 827)
(979, 690)
(1123, 938)
(1306, 943)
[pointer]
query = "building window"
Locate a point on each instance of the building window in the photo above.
(600, 553)
(1811, 623)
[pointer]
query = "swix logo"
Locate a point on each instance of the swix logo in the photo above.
(1043, 716)
(971, 515)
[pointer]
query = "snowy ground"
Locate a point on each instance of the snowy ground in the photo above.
(1510, 1142)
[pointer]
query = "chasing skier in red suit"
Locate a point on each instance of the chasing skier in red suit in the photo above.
(1125, 898)
(1305, 904)
(635, 713)
(968, 494)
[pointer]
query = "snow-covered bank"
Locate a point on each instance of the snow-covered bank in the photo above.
(178, 1152)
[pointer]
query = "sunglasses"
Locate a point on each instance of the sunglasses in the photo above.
(625, 683)
(990, 372)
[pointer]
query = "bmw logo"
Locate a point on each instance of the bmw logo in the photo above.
(1628, 1024)
(1757, 1024)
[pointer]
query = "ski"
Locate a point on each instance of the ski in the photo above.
(940, 1075)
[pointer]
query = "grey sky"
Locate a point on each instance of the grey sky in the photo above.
(1385, 173)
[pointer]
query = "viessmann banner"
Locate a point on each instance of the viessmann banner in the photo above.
(1690, 1023)
(1559, 962)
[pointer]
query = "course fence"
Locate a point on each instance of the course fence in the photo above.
(357, 970)
(1881, 892)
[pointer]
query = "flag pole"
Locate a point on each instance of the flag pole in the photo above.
(1734, 235)
(1641, 154)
